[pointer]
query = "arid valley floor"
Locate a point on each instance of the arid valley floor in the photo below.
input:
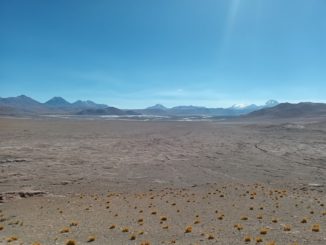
(135, 182)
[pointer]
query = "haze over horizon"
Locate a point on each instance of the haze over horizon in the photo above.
(134, 54)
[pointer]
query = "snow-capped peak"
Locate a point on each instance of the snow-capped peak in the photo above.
(271, 103)
(239, 106)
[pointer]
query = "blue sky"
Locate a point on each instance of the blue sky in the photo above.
(133, 54)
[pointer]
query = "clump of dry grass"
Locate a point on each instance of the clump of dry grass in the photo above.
(112, 227)
(132, 237)
(259, 240)
(210, 237)
(286, 228)
(145, 243)
(221, 217)
(163, 218)
(239, 227)
(188, 229)
(65, 230)
(71, 242)
(304, 220)
(315, 228)
(74, 223)
(36, 243)
(1, 227)
(125, 229)
(247, 239)
(196, 222)
(263, 231)
(244, 218)
(12, 239)
(274, 220)
(271, 243)
(91, 239)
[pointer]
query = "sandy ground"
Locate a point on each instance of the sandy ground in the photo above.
(128, 182)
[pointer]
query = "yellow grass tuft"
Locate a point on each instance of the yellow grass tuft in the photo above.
(74, 223)
(263, 231)
(125, 229)
(247, 239)
(259, 239)
(210, 237)
(163, 218)
(304, 220)
(132, 237)
(1, 227)
(71, 242)
(91, 239)
(112, 227)
(12, 238)
(188, 229)
(65, 230)
(315, 228)
(165, 227)
(239, 227)
(145, 243)
(244, 218)
(271, 243)
(274, 220)
(286, 228)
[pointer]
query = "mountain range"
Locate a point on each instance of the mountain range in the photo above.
(235, 110)
(23, 105)
(288, 110)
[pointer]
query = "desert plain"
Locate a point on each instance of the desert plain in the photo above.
(95, 181)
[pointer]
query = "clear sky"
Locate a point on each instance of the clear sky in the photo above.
(135, 53)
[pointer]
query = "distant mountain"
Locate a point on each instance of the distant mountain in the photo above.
(107, 111)
(20, 105)
(23, 105)
(253, 107)
(20, 101)
(88, 104)
(57, 102)
(287, 110)
(61, 104)
(271, 103)
(235, 110)
(157, 107)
